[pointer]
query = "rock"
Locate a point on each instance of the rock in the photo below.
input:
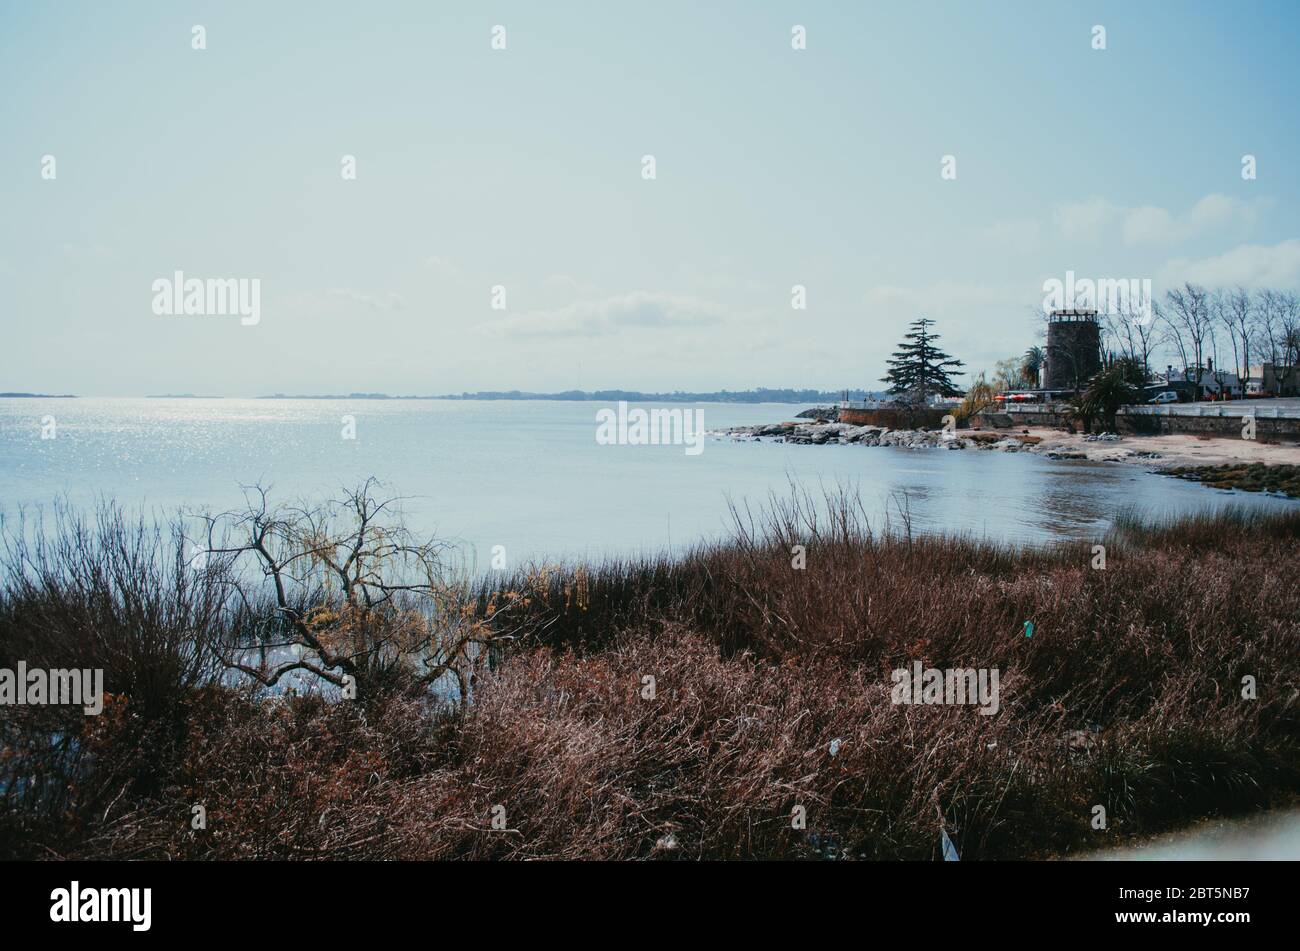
(820, 433)
(909, 438)
(667, 843)
(819, 412)
(854, 433)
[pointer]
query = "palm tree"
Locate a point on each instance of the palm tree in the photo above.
(1031, 364)
(1107, 392)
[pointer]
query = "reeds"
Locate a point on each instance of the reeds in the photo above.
(1129, 695)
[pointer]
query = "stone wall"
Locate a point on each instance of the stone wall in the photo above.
(921, 417)
(1183, 421)
(1283, 429)
(1000, 420)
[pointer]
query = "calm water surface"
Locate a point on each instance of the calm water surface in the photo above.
(530, 475)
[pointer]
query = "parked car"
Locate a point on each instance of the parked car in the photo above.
(1168, 396)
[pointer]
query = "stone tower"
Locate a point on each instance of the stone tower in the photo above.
(1073, 353)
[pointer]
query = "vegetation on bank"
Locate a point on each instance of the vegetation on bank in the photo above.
(1250, 477)
(770, 690)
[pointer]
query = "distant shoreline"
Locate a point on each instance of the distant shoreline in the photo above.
(593, 396)
(793, 397)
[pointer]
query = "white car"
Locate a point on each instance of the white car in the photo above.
(1168, 396)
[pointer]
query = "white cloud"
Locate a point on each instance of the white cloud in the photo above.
(1156, 226)
(611, 315)
(1020, 234)
(1250, 265)
(563, 289)
(390, 301)
(1086, 220)
(1151, 225)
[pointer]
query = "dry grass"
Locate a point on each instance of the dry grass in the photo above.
(1128, 695)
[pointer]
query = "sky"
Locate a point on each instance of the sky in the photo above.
(523, 168)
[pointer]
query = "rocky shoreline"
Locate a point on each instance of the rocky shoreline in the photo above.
(820, 433)
(1247, 465)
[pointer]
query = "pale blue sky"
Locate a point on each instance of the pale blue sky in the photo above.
(522, 168)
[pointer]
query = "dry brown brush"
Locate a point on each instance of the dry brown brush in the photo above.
(771, 697)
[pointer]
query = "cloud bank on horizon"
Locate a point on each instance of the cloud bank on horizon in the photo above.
(608, 196)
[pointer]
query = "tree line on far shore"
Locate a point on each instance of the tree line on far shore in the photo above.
(1191, 325)
(1194, 324)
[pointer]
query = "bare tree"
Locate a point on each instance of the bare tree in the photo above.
(1186, 316)
(1289, 327)
(1233, 310)
(344, 592)
(1270, 306)
(1134, 332)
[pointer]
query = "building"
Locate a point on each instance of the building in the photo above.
(1073, 352)
(1186, 390)
(1218, 384)
(1212, 385)
(1274, 380)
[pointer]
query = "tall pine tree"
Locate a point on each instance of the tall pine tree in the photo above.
(919, 368)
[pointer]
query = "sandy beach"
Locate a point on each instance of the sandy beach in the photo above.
(1173, 450)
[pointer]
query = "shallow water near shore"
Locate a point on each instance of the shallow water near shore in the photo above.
(1265, 836)
(529, 475)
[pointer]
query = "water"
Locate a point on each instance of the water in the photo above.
(1264, 837)
(531, 477)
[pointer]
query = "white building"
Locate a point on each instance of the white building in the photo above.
(1215, 384)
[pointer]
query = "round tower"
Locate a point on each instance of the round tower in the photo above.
(1073, 352)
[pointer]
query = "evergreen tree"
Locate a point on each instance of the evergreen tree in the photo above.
(919, 368)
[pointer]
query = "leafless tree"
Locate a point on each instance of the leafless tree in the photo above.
(343, 591)
(1134, 332)
(1186, 316)
(1270, 306)
(1233, 310)
(1289, 327)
